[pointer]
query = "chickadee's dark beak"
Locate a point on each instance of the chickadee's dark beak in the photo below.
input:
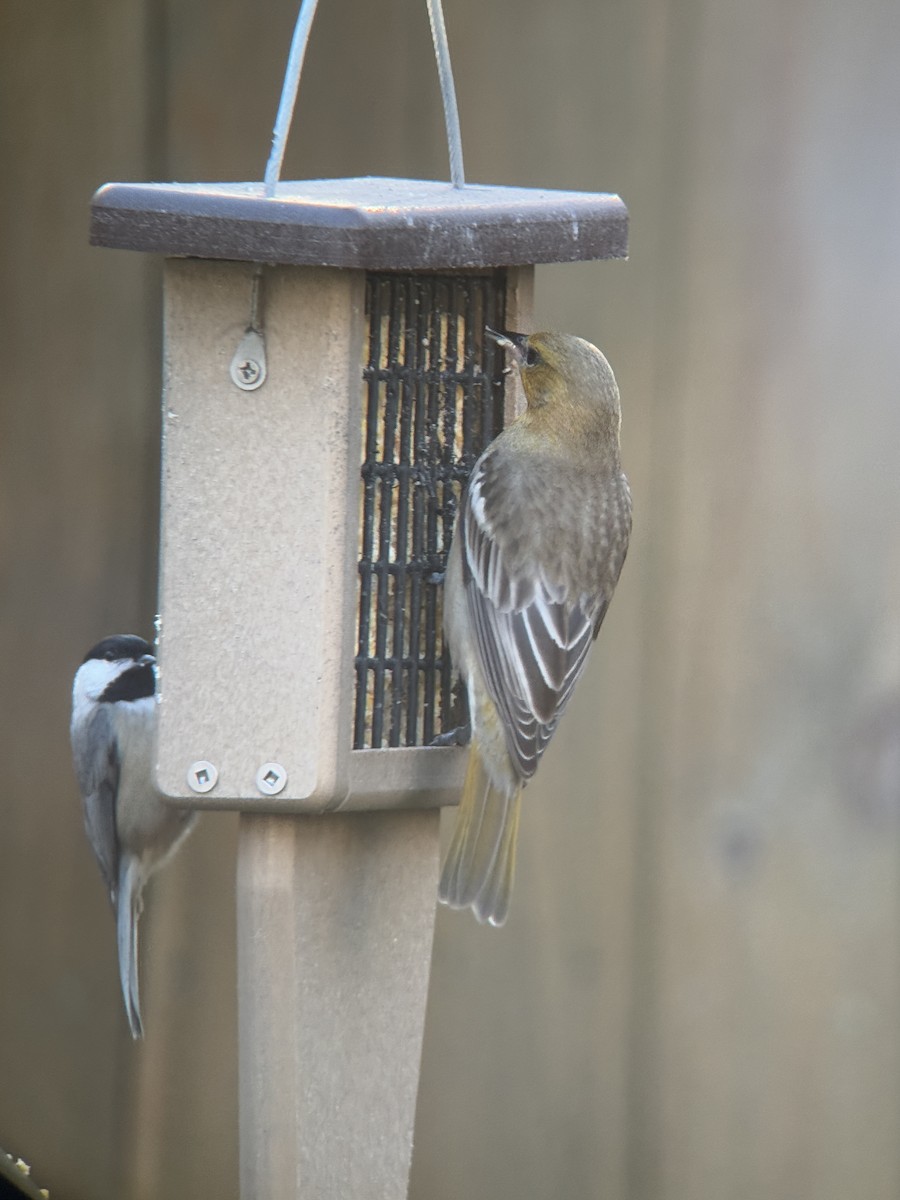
(517, 342)
(146, 660)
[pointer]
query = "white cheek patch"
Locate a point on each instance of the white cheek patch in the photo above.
(93, 677)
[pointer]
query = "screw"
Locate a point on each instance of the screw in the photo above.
(202, 776)
(249, 370)
(271, 778)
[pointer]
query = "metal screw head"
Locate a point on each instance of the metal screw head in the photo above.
(202, 776)
(249, 371)
(271, 778)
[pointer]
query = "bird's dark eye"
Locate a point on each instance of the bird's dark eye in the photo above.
(110, 655)
(531, 357)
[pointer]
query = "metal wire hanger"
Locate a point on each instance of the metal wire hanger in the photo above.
(292, 82)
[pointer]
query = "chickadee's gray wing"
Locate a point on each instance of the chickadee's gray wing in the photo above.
(97, 758)
(532, 637)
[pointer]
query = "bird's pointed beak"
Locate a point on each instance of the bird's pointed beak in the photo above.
(146, 660)
(517, 342)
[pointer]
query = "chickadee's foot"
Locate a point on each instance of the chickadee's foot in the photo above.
(460, 736)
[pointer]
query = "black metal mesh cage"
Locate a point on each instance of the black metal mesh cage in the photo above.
(433, 399)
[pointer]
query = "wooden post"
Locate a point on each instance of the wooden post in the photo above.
(335, 924)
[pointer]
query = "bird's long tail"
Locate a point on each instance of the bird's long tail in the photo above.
(128, 910)
(480, 865)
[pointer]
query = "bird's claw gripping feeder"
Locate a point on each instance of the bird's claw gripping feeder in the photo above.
(320, 415)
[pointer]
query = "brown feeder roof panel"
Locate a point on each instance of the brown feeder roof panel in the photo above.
(371, 223)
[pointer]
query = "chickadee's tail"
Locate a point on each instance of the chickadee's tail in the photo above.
(480, 866)
(128, 910)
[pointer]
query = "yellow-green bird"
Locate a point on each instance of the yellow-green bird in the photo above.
(539, 541)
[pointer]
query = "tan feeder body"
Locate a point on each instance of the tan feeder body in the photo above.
(320, 417)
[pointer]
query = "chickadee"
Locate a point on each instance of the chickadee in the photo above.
(131, 830)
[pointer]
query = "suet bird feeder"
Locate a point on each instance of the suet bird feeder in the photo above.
(320, 415)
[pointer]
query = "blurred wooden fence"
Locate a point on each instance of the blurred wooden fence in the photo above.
(696, 996)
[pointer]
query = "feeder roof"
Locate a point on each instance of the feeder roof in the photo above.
(367, 223)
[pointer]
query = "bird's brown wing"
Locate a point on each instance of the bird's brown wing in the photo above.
(98, 778)
(532, 637)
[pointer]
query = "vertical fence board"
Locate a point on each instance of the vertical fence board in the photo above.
(778, 898)
(78, 433)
